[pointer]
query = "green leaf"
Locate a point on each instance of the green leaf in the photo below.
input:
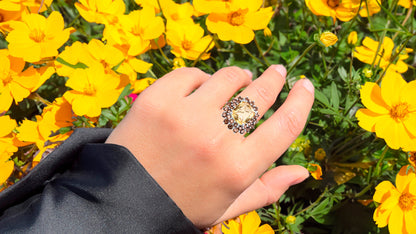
(108, 114)
(322, 98)
(334, 96)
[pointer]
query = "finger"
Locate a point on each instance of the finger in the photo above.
(266, 190)
(264, 90)
(223, 85)
(178, 83)
(282, 127)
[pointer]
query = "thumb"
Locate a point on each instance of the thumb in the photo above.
(266, 190)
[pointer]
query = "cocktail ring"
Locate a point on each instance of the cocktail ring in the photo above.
(240, 114)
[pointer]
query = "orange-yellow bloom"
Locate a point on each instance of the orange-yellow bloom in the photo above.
(179, 13)
(235, 20)
(328, 39)
(343, 10)
(101, 11)
(14, 9)
(407, 3)
(352, 38)
(315, 170)
(370, 8)
(188, 41)
(16, 84)
(7, 148)
(135, 31)
(367, 53)
(246, 223)
(37, 37)
(398, 204)
(92, 89)
(390, 111)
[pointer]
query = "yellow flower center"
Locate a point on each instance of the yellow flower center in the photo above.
(399, 111)
(137, 30)
(407, 201)
(7, 80)
(89, 90)
(37, 35)
(186, 45)
(333, 3)
(237, 17)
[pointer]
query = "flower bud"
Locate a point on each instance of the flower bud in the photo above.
(328, 39)
(352, 38)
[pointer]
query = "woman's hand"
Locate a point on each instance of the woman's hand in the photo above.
(176, 131)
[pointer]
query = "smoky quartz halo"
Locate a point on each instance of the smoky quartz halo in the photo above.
(240, 115)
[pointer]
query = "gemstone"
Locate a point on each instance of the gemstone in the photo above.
(243, 113)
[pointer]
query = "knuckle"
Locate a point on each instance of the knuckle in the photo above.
(265, 94)
(233, 74)
(206, 146)
(291, 123)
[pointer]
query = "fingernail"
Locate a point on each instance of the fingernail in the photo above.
(281, 69)
(301, 177)
(307, 84)
(248, 72)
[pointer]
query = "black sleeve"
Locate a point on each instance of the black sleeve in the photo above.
(86, 186)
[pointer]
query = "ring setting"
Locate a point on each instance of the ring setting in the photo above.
(240, 115)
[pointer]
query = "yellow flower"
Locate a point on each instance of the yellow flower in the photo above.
(142, 84)
(406, 3)
(367, 72)
(7, 148)
(14, 82)
(14, 9)
(267, 32)
(290, 219)
(372, 7)
(300, 144)
(178, 13)
(149, 3)
(343, 10)
(328, 39)
(391, 111)
(398, 204)
(92, 89)
(236, 19)
(352, 38)
(320, 154)
(315, 170)
(188, 41)
(246, 223)
(101, 11)
(367, 52)
(135, 30)
(178, 62)
(37, 37)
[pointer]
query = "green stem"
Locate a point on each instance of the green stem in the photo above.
(203, 52)
(313, 204)
(73, 21)
(277, 218)
(157, 63)
(294, 63)
(379, 163)
(162, 53)
(251, 55)
(261, 52)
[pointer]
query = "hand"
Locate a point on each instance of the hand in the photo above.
(176, 131)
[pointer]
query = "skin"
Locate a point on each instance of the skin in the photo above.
(176, 131)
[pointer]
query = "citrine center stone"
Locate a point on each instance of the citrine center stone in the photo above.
(243, 113)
